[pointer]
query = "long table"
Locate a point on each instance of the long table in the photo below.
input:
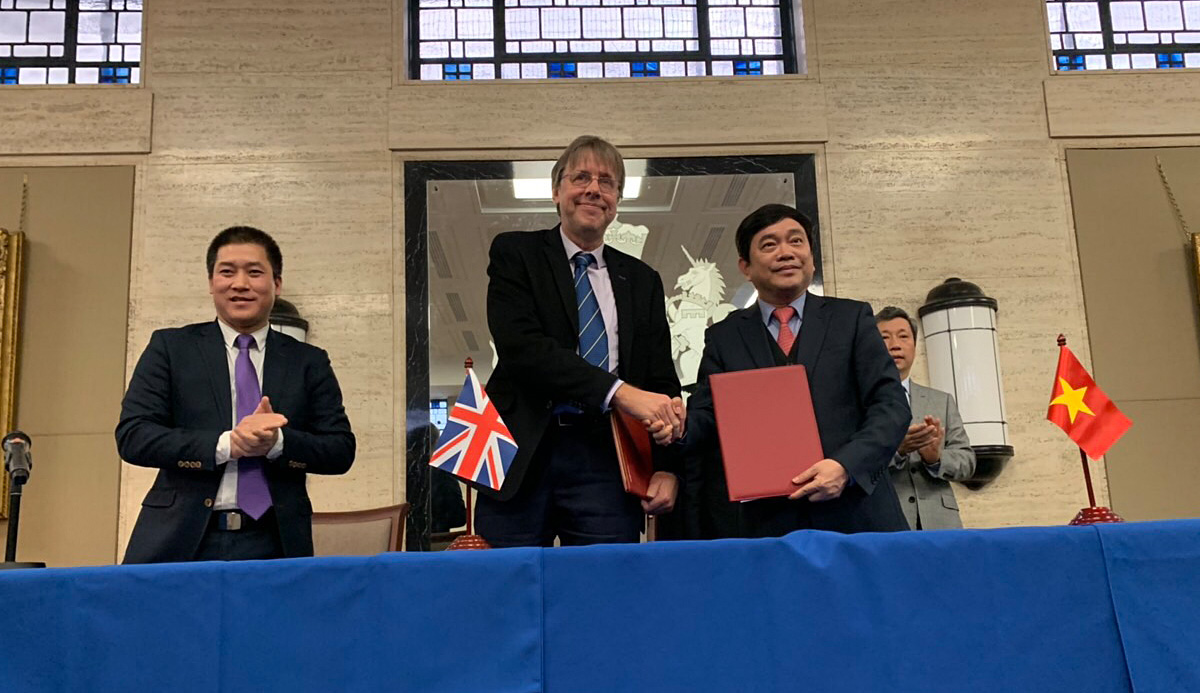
(1106, 608)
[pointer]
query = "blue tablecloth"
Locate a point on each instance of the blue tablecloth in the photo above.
(1108, 608)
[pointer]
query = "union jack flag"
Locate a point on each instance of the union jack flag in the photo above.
(476, 444)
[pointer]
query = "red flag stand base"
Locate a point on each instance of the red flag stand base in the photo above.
(1095, 516)
(469, 541)
(473, 542)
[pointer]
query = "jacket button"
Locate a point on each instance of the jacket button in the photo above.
(208, 502)
(912, 499)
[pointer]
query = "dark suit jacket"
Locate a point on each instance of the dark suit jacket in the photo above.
(178, 404)
(534, 323)
(861, 411)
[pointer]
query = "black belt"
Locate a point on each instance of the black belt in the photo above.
(236, 520)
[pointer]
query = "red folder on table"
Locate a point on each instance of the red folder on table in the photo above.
(768, 429)
(634, 453)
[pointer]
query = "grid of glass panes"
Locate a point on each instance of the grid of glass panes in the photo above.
(568, 39)
(70, 41)
(1124, 35)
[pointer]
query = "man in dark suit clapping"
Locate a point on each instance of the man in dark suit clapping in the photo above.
(234, 415)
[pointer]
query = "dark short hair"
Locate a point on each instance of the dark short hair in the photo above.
(891, 313)
(763, 217)
(245, 234)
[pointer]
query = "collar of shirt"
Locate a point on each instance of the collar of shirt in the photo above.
(907, 391)
(571, 249)
(230, 334)
(767, 309)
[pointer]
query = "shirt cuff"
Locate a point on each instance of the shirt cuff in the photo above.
(223, 448)
(277, 448)
(607, 400)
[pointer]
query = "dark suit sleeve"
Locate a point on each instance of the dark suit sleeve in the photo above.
(701, 420)
(662, 377)
(522, 343)
(147, 434)
(324, 441)
(885, 408)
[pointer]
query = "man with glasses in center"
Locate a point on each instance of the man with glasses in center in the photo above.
(580, 329)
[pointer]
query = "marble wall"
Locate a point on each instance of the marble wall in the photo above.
(937, 124)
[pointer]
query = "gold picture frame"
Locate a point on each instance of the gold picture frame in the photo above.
(1196, 262)
(12, 246)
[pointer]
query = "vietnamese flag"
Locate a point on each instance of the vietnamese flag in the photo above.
(1082, 410)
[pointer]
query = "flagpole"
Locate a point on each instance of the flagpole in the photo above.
(1092, 514)
(1087, 477)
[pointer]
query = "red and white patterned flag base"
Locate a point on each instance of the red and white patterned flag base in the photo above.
(1095, 516)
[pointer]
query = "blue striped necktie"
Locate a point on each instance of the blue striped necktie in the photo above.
(593, 339)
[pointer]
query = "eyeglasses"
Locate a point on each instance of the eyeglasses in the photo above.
(582, 179)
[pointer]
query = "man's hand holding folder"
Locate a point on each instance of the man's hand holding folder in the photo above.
(823, 481)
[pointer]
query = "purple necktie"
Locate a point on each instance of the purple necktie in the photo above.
(254, 498)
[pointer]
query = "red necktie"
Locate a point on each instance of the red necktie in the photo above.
(786, 338)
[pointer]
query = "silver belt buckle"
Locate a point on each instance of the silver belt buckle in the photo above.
(230, 520)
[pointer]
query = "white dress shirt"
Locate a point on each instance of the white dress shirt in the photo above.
(227, 492)
(602, 288)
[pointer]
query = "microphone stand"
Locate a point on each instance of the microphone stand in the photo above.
(15, 489)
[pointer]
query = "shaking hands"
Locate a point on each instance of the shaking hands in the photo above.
(664, 417)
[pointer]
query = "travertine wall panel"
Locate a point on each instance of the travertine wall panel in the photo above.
(864, 36)
(1122, 104)
(913, 110)
(448, 115)
(269, 123)
(939, 213)
(304, 37)
(332, 220)
(78, 121)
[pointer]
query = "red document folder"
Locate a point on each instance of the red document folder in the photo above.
(768, 429)
(634, 453)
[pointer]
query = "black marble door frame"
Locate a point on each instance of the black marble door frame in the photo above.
(417, 176)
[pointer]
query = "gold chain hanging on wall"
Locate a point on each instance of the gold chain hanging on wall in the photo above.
(1189, 239)
(12, 247)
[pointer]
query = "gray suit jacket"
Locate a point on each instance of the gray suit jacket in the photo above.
(927, 499)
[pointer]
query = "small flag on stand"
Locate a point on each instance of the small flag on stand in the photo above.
(476, 446)
(1088, 417)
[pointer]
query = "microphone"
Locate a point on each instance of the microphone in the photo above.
(17, 460)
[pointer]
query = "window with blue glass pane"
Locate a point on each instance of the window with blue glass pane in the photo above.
(1169, 60)
(644, 70)
(1070, 62)
(1124, 34)
(70, 41)
(747, 67)
(562, 71)
(590, 39)
(457, 71)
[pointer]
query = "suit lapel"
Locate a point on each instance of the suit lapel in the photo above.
(750, 326)
(812, 332)
(618, 277)
(275, 367)
(918, 401)
(216, 364)
(560, 275)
